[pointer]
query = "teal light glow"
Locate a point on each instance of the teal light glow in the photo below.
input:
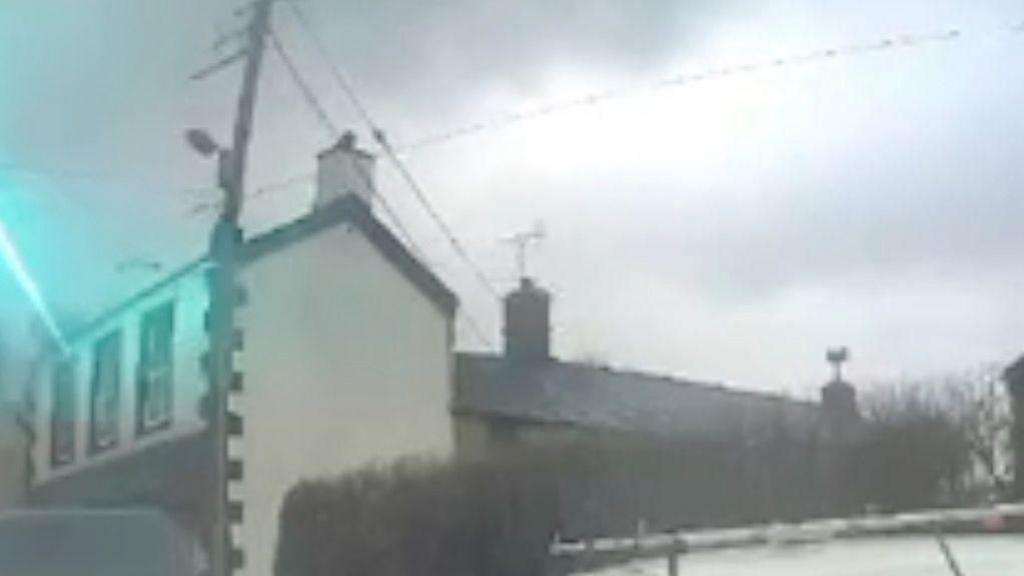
(14, 261)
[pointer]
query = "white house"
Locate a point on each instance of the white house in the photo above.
(346, 360)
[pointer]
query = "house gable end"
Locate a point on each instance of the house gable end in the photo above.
(353, 210)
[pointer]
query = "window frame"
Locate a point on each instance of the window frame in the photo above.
(149, 326)
(62, 378)
(112, 339)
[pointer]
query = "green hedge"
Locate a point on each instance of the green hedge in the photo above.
(424, 519)
(497, 517)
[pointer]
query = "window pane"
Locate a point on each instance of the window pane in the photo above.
(106, 386)
(155, 368)
(63, 424)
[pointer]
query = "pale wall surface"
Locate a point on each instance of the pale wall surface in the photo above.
(346, 364)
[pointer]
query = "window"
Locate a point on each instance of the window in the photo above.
(62, 424)
(155, 371)
(106, 389)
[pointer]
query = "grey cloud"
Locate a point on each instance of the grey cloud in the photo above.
(930, 190)
(942, 201)
(439, 55)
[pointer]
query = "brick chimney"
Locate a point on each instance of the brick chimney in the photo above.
(528, 324)
(344, 169)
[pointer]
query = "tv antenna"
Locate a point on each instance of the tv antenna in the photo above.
(837, 357)
(521, 242)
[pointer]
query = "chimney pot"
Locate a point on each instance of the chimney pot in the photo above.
(344, 169)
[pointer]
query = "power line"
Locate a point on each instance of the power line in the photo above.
(421, 196)
(314, 104)
(502, 120)
(110, 179)
(325, 120)
(285, 184)
(258, 192)
(706, 74)
(397, 222)
(390, 153)
(475, 329)
(304, 88)
(321, 49)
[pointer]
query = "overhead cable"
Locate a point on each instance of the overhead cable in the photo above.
(391, 154)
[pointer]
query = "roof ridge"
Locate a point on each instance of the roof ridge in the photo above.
(348, 208)
(650, 376)
(709, 385)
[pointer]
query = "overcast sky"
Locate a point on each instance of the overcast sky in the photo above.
(726, 230)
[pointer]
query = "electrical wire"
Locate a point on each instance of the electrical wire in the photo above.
(321, 48)
(449, 235)
(325, 120)
(304, 88)
(392, 155)
(707, 74)
(475, 330)
(502, 120)
(902, 41)
(258, 192)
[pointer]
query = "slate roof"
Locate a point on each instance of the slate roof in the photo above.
(556, 392)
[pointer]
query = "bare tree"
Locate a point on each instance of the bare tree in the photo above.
(914, 451)
(981, 406)
(935, 441)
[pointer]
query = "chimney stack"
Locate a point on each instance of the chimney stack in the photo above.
(839, 401)
(344, 169)
(528, 324)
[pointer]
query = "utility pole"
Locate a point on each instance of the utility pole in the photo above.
(225, 242)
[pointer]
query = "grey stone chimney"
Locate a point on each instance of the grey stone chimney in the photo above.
(528, 324)
(839, 407)
(840, 432)
(344, 169)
